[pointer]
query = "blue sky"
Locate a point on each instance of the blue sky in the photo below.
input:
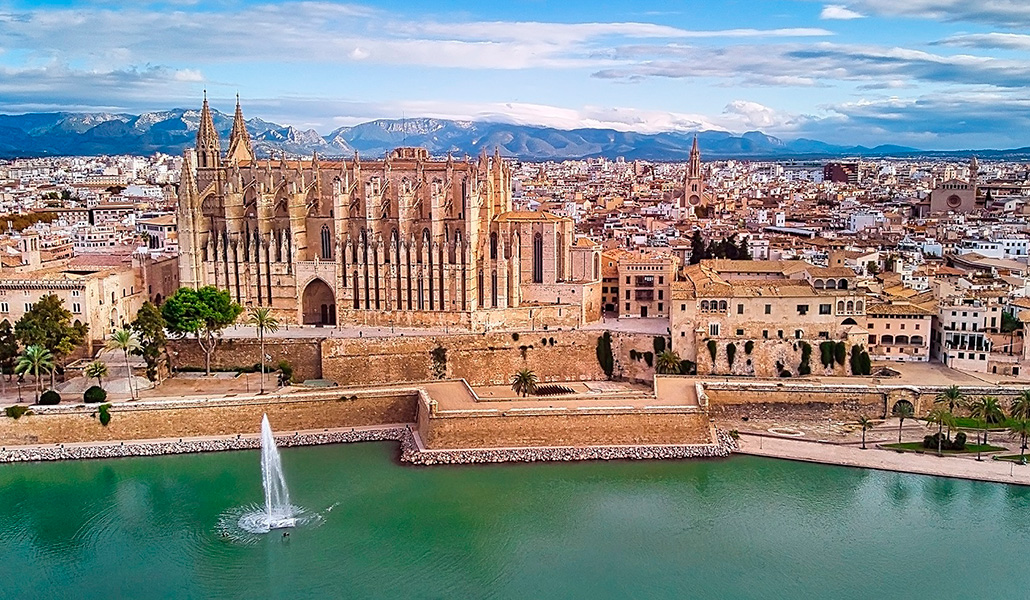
(928, 73)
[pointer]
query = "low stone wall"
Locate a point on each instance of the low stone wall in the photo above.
(771, 399)
(303, 354)
(199, 418)
(574, 428)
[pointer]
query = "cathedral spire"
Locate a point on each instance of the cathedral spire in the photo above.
(694, 167)
(239, 140)
(208, 149)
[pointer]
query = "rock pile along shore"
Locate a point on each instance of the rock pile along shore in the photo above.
(410, 452)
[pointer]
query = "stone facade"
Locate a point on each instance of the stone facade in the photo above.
(773, 305)
(406, 239)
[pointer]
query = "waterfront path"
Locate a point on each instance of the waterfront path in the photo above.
(961, 467)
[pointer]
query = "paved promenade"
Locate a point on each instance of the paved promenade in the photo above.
(960, 467)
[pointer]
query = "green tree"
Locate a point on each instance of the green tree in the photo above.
(524, 382)
(1020, 428)
(902, 410)
(986, 410)
(866, 424)
(149, 326)
(668, 362)
(263, 319)
(953, 398)
(697, 248)
(8, 352)
(96, 370)
(202, 313)
(35, 360)
(49, 324)
(1020, 408)
(125, 340)
(940, 416)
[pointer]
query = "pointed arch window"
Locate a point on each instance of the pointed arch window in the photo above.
(327, 243)
(538, 258)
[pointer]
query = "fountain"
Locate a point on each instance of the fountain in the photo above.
(278, 513)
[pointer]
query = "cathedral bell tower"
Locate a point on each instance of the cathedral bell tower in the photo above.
(209, 152)
(693, 183)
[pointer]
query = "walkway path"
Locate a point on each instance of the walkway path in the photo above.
(886, 460)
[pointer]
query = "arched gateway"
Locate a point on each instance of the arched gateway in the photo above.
(318, 304)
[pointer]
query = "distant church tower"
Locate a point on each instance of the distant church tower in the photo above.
(693, 183)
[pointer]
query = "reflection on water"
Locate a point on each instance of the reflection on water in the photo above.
(169, 527)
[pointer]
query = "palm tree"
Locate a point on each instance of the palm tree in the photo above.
(262, 318)
(1021, 406)
(902, 410)
(96, 370)
(524, 382)
(35, 360)
(986, 410)
(866, 424)
(1020, 428)
(941, 417)
(954, 398)
(127, 341)
(668, 362)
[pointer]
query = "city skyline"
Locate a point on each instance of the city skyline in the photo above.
(933, 74)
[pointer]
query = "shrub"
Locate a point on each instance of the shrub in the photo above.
(688, 367)
(605, 358)
(514, 337)
(649, 359)
(550, 341)
(865, 363)
(439, 356)
(94, 395)
(713, 348)
(731, 352)
(50, 397)
(104, 411)
(805, 368)
(659, 344)
(16, 412)
(957, 444)
(856, 367)
(785, 373)
(840, 352)
(285, 372)
(826, 354)
(749, 346)
(634, 355)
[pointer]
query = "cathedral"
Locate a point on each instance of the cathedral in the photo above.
(405, 240)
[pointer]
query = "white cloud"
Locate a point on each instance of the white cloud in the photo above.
(839, 12)
(998, 41)
(1003, 13)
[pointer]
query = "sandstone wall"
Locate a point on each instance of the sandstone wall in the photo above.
(490, 358)
(140, 421)
(569, 429)
(770, 399)
(764, 357)
(303, 354)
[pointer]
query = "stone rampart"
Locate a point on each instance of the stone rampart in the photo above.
(574, 428)
(481, 359)
(198, 418)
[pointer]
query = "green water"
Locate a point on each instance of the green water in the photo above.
(737, 528)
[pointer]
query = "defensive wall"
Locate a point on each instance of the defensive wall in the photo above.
(201, 417)
(480, 358)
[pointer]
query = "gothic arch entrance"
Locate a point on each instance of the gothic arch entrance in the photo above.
(318, 304)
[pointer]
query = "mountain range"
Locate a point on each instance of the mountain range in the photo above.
(66, 134)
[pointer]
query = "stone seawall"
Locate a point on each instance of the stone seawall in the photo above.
(200, 418)
(411, 452)
(453, 430)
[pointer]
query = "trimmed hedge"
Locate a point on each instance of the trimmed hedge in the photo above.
(50, 397)
(94, 395)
